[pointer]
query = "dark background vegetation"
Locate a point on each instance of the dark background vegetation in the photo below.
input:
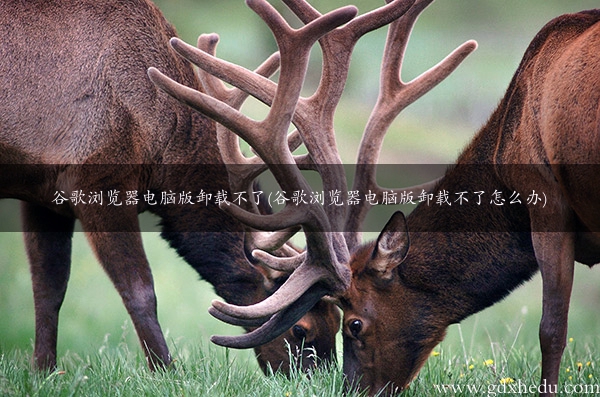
(431, 131)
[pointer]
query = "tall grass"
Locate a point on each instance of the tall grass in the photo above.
(202, 369)
(504, 367)
(198, 370)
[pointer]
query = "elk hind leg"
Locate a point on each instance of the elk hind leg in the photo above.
(117, 242)
(47, 237)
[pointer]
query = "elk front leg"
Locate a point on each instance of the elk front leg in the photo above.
(47, 238)
(116, 240)
(555, 255)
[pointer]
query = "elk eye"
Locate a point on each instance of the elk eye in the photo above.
(299, 332)
(355, 327)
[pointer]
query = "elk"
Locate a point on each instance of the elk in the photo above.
(78, 113)
(443, 263)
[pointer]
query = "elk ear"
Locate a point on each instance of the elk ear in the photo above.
(391, 247)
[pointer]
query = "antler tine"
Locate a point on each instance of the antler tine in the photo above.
(214, 71)
(242, 170)
(235, 97)
(295, 286)
(394, 96)
(403, 94)
(337, 49)
(274, 327)
(285, 264)
(295, 45)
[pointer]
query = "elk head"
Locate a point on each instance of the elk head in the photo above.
(331, 232)
(388, 328)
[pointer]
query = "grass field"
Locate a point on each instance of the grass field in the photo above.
(489, 353)
(499, 368)
(100, 355)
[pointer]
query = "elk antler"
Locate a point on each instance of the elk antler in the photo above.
(242, 170)
(314, 115)
(323, 263)
(321, 269)
(394, 96)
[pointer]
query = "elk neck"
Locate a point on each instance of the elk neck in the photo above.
(217, 256)
(472, 255)
(205, 236)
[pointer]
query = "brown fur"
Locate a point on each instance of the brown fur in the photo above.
(463, 259)
(74, 93)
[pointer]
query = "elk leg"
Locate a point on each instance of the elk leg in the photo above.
(555, 256)
(47, 238)
(115, 238)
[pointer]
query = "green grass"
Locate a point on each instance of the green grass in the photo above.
(201, 369)
(198, 370)
(99, 353)
(502, 369)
